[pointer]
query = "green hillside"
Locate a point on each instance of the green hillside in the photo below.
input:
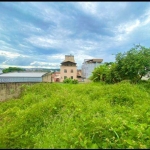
(91, 115)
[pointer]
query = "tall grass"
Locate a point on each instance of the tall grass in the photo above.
(91, 115)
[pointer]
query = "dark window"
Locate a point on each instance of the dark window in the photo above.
(65, 77)
(71, 70)
(71, 77)
(65, 70)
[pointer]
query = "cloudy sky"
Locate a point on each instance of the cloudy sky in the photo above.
(40, 34)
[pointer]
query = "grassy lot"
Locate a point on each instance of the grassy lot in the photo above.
(90, 115)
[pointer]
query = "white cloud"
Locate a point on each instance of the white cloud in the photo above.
(67, 44)
(88, 7)
(24, 46)
(30, 28)
(128, 27)
(42, 41)
(44, 64)
(145, 18)
(102, 10)
(11, 54)
(56, 58)
(4, 43)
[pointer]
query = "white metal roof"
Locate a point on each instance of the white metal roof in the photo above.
(23, 74)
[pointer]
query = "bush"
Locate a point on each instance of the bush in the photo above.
(74, 81)
(71, 81)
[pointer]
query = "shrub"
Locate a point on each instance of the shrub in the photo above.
(67, 80)
(72, 81)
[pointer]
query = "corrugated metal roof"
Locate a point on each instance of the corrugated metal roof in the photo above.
(23, 74)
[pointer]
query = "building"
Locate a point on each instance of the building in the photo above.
(56, 77)
(147, 76)
(25, 77)
(79, 76)
(88, 66)
(68, 68)
(1, 71)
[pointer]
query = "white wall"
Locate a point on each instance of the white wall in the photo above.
(1, 71)
(87, 69)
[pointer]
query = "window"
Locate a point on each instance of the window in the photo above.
(65, 70)
(71, 77)
(71, 70)
(65, 77)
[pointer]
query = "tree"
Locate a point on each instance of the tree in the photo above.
(113, 75)
(12, 69)
(108, 63)
(106, 73)
(100, 73)
(131, 65)
(134, 64)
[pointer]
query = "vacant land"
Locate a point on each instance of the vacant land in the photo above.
(91, 115)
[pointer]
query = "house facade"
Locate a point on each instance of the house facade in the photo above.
(88, 66)
(68, 68)
(56, 77)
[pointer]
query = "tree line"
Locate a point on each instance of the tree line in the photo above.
(12, 69)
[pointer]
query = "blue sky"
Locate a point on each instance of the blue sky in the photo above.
(40, 34)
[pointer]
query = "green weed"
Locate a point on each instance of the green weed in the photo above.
(91, 115)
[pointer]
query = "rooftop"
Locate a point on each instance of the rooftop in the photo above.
(93, 60)
(23, 74)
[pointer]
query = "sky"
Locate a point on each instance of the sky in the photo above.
(40, 34)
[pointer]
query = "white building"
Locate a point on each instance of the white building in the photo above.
(88, 66)
(147, 76)
(1, 71)
(25, 77)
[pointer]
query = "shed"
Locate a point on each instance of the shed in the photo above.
(25, 77)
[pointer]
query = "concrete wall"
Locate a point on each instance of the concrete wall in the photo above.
(11, 90)
(87, 69)
(47, 77)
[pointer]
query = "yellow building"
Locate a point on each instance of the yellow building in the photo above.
(68, 68)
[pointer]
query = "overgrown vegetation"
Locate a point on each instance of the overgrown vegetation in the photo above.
(12, 69)
(71, 81)
(91, 115)
(131, 65)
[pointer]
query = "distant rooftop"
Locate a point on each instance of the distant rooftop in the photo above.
(93, 60)
(23, 74)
